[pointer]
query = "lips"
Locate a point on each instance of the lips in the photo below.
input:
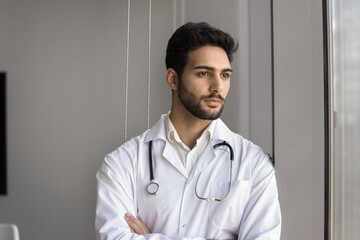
(213, 101)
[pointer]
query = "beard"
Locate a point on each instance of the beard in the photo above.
(193, 104)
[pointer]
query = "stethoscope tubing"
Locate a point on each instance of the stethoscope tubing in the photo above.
(151, 162)
(228, 145)
(153, 186)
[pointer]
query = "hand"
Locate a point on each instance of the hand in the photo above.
(136, 225)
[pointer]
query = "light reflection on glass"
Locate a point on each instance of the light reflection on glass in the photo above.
(346, 81)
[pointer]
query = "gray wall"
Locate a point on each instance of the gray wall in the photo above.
(66, 67)
(299, 116)
(65, 63)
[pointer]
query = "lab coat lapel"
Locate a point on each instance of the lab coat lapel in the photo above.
(168, 153)
(222, 132)
(158, 132)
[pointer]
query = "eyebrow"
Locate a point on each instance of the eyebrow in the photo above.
(212, 69)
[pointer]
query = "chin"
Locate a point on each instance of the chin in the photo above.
(209, 116)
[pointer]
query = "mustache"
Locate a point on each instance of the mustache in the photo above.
(213, 95)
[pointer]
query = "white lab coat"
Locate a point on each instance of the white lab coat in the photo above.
(251, 211)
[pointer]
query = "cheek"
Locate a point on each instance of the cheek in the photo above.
(226, 89)
(197, 87)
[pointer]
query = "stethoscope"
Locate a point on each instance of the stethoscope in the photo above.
(153, 186)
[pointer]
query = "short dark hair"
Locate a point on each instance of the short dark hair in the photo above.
(192, 36)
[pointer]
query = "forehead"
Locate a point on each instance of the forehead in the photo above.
(211, 56)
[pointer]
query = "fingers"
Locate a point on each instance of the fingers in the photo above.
(136, 225)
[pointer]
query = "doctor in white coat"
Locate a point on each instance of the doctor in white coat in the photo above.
(207, 182)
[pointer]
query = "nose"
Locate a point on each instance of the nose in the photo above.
(217, 84)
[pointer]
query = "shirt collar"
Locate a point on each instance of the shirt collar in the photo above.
(219, 132)
(172, 134)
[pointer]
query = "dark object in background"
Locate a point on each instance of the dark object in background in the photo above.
(3, 175)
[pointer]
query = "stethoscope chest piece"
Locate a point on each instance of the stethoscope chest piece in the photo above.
(152, 188)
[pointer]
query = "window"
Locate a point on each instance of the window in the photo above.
(345, 61)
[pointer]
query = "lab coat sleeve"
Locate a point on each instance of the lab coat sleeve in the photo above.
(262, 216)
(116, 187)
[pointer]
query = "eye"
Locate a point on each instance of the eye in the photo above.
(204, 74)
(225, 75)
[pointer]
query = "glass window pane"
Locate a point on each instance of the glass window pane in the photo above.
(345, 26)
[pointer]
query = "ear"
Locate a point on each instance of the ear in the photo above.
(172, 78)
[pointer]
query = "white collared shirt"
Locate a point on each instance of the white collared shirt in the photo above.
(184, 154)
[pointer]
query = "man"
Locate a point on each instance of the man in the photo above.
(177, 179)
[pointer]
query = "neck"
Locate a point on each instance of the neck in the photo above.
(188, 127)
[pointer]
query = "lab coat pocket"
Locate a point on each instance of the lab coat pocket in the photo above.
(226, 215)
